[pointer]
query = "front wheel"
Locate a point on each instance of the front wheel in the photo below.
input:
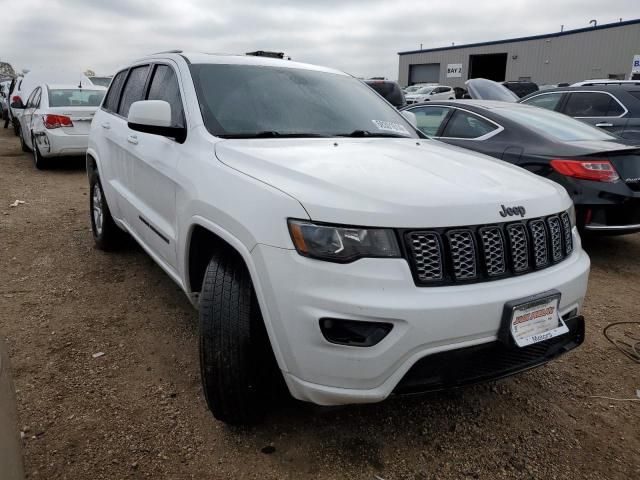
(240, 376)
(106, 234)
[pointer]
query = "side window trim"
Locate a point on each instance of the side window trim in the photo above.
(152, 73)
(499, 128)
(559, 106)
(625, 111)
(124, 84)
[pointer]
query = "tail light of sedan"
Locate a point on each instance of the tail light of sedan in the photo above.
(57, 121)
(594, 170)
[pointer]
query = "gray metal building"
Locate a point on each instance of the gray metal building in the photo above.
(603, 51)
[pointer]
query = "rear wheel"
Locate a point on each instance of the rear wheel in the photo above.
(106, 234)
(39, 161)
(240, 376)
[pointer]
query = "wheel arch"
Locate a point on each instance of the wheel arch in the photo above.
(203, 238)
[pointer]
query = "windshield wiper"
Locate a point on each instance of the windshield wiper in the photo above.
(272, 134)
(367, 133)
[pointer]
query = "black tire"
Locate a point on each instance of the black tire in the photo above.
(39, 161)
(240, 376)
(22, 144)
(107, 235)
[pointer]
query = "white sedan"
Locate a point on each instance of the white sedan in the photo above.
(56, 121)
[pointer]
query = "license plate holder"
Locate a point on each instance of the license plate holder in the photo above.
(534, 319)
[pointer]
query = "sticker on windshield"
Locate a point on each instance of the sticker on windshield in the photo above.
(390, 127)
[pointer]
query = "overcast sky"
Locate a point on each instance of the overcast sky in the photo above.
(361, 37)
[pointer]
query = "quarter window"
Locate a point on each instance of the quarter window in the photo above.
(592, 104)
(429, 119)
(548, 100)
(31, 98)
(164, 86)
(133, 89)
(111, 100)
(467, 125)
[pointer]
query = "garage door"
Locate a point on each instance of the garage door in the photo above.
(424, 73)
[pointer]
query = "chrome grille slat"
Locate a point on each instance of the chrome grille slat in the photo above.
(479, 253)
(463, 254)
(566, 230)
(555, 236)
(539, 237)
(519, 247)
(427, 254)
(494, 251)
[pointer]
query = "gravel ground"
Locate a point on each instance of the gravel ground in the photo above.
(138, 410)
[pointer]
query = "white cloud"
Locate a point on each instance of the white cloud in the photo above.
(358, 36)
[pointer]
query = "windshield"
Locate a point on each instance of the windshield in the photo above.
(75, 97)
(411, 89)
(425, 90)
(554, 124)
(248, 101)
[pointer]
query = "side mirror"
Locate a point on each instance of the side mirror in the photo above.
(154, 117)
(411, 118)
(17, 104)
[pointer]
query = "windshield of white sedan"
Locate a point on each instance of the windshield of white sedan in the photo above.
(249, 101)
(554, 124)
(75, 97)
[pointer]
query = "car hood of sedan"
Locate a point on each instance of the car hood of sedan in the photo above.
(392, 182)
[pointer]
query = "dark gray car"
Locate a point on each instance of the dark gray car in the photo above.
(613, 107)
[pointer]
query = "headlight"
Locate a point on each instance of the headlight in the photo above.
(572, 215)
(342, 244)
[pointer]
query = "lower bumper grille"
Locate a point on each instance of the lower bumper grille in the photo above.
(490, 361)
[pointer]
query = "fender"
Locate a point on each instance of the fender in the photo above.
(245, 253)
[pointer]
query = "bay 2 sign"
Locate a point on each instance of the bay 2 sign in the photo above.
(454, 70)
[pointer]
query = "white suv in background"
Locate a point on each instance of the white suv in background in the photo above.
(431, 92)
(324, 241)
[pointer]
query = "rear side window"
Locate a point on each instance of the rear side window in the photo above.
(429, 119)
(75, 97)
(592, 104)
(467, 125)
(113, 94)
(164, 86)
(133, 89)
(548, 100)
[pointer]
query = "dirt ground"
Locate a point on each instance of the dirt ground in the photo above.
(138, 410)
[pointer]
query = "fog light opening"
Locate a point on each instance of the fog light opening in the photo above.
(354, 333)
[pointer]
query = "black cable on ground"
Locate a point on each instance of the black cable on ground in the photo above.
(631, 350)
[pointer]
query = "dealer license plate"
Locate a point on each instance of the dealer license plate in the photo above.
(537, 321)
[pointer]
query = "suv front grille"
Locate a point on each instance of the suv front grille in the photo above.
(486, 252)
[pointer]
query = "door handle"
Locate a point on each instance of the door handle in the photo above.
(604, 124)
(105, 125)
(132, 139)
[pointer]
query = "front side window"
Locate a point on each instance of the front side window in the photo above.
(467, 125)
(592, 104)
(133, 89)
(75, 97)
(113, 94)
(164, 86)
(249, 100)
(549, 101)
(429, 119)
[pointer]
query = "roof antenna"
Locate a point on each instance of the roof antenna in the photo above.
(561, 28)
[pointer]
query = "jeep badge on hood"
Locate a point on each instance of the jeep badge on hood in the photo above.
(511, 211)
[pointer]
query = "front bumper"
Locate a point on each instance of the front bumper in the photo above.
(297, 291)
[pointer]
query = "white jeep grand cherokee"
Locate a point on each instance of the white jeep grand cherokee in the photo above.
(323, 240)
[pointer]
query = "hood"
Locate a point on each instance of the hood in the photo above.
(392, 182)
(483, 89)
